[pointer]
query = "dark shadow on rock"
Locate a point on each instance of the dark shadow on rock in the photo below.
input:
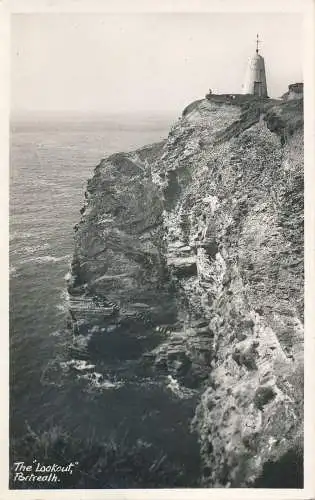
(285, 473)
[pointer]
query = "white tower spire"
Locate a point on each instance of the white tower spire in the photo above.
(255, 78)
(257, 42)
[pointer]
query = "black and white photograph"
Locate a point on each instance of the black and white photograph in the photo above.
(156, 249)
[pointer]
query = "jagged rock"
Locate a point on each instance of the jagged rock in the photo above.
(263, 395)
(206, 230)
(211, 247)
(183, 266)
(245, 353)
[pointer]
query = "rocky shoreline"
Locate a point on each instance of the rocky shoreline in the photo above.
(189, 254)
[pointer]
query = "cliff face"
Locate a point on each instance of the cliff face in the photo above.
(192, 249)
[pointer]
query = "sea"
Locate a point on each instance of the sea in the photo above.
(51, 159)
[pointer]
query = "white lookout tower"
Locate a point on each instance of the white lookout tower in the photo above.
(255, 79)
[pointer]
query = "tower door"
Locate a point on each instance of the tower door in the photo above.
(257, 88)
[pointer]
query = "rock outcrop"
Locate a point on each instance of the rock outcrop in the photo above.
(191, 252)
(295, 91)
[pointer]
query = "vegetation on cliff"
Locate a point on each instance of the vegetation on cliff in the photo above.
(118, 462)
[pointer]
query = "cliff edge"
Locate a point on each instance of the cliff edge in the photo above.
(189, 255)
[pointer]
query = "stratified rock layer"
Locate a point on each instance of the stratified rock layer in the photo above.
(200, 238)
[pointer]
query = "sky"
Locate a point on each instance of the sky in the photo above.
(126, 63)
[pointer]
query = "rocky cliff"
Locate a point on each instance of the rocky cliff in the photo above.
(189, 256)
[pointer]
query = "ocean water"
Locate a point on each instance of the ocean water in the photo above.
(50, 163)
